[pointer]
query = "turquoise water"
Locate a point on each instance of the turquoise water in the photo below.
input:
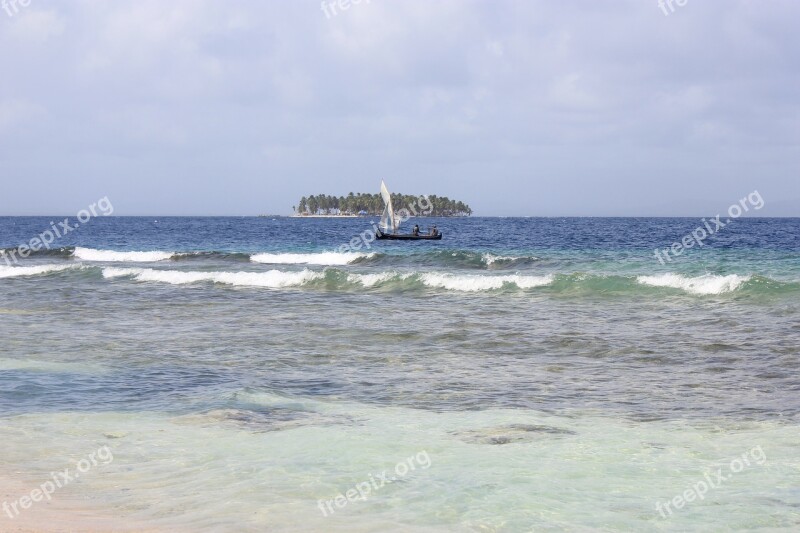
(552, 373)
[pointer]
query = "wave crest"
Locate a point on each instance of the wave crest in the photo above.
(370, 280)
(474, 283)
(320, 258)
(708, 284)
(17, 271)
(112, 256)
(273, 279)
(499, 261)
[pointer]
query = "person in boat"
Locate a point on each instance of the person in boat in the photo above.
(433, 232)
(415, 232)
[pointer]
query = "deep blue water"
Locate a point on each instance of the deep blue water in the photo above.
(250, 234)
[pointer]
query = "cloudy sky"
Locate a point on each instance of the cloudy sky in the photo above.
(583, 107)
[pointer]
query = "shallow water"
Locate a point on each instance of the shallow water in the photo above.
(555, 373)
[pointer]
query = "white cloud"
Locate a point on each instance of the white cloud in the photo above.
(441, 93)
(32, 26)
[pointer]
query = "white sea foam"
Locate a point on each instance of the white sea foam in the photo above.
(370, 280)
(271, 279)
(16, 271)
(491, 258)
(321, 258)
(708, 284)
(112, 256)
(474, 283)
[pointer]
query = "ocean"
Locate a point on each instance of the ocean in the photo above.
(521, 374)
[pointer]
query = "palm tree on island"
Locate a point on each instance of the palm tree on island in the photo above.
(365, 204)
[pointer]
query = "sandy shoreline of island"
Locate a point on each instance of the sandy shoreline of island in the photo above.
(330, 216)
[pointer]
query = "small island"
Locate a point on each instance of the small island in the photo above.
(364, 204)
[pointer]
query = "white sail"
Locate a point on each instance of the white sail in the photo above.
(387, 220)
(384, 225)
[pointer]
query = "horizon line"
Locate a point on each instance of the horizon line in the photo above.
(373, 216)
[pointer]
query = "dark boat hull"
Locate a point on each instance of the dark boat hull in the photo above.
(407, 237)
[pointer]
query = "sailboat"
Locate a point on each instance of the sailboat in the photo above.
(389, 223)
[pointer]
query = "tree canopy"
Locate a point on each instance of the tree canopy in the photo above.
(372, 204)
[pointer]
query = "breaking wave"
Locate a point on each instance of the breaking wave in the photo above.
(453, 259)
(111, 256)
(474, 283)
(271, 279)
(371, 280)
(444, 259)
(334, 278)
(707, 284)
(17, 271)
(321, 258)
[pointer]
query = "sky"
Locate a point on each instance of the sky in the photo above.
(518, 108)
